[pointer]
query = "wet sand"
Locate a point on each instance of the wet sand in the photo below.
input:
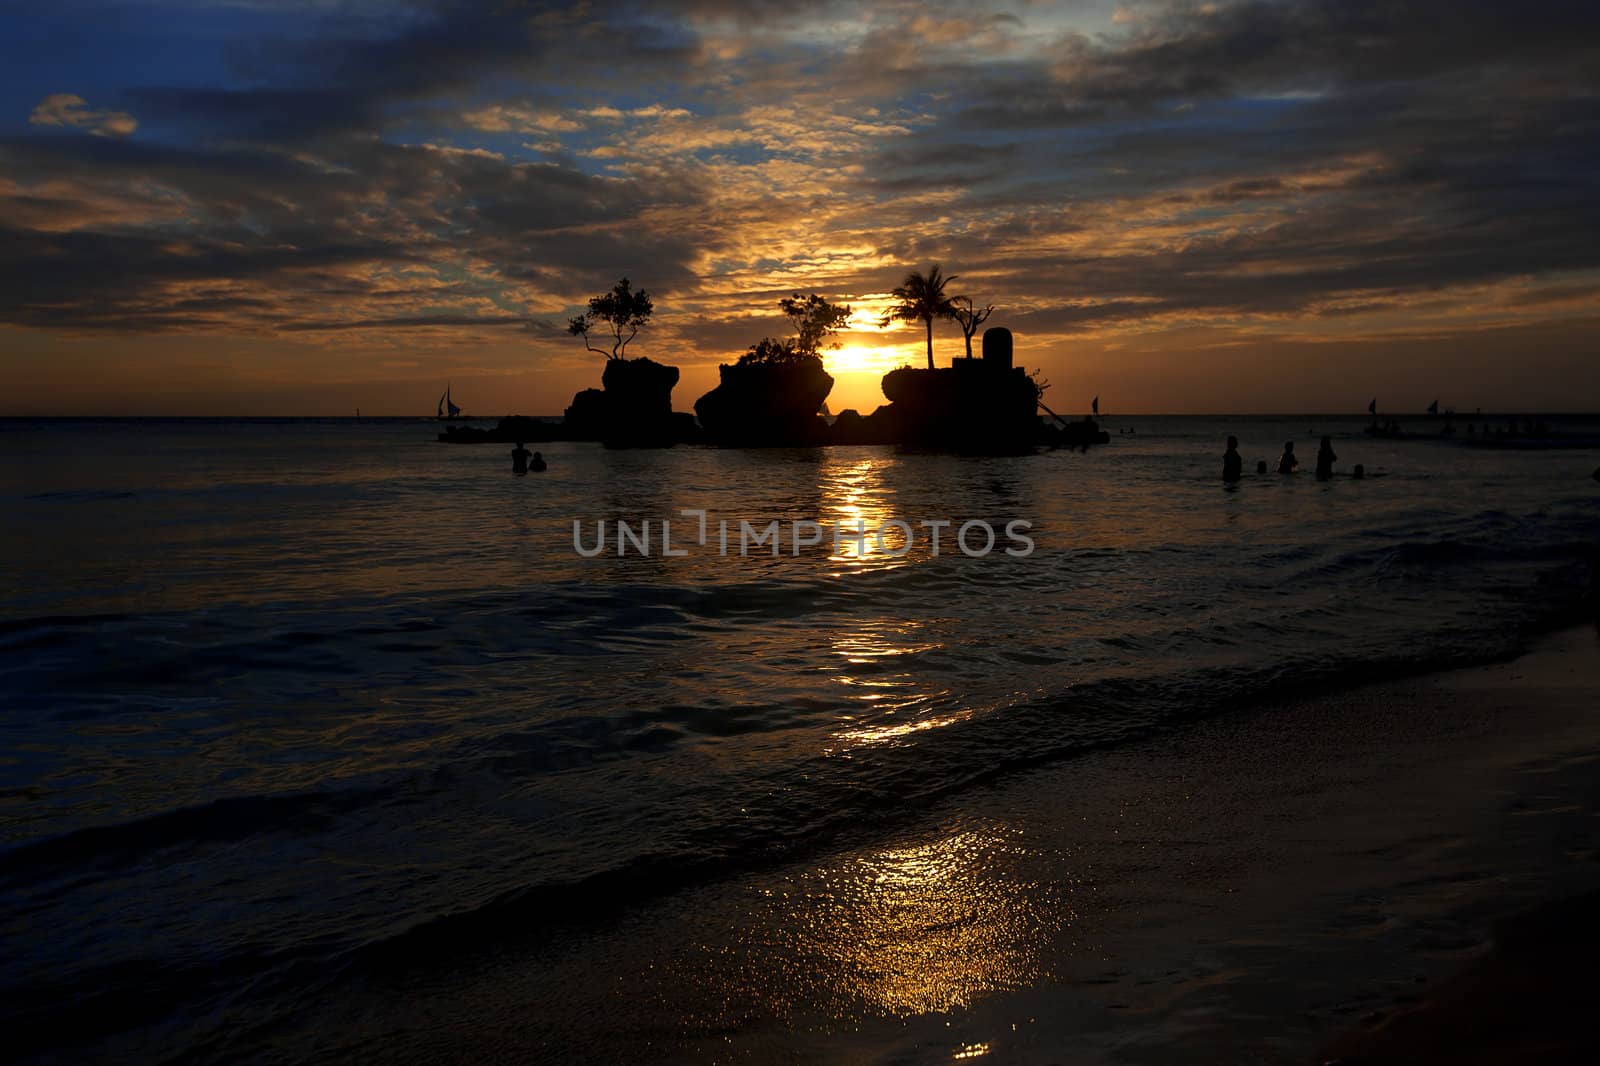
(1530, 999)
(1246, 889)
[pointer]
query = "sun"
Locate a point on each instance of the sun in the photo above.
(863, 359)
(858, 371)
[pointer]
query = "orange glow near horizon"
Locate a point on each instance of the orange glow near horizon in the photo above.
(1196, 370)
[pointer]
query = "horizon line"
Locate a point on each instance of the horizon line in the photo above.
(423, 417)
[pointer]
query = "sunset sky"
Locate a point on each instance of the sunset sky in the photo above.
(308, 206)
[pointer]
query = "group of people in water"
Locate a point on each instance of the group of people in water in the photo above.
(1514, 427)
(1288, 462)
(522, 462)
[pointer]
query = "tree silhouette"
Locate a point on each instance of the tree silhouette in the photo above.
(922, 299)
(1040, 384)
(969, 317)
(771, 352)
(621, 309)
(815, 320)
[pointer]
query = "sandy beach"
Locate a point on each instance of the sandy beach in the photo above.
(1246, 889)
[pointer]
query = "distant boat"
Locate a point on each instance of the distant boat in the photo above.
(1433, 408)
(446, 405)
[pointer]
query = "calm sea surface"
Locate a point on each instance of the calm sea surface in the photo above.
(279, 698)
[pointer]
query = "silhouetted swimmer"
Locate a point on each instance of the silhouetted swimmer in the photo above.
(1325, 460)
(1261, 466)
(1232, 464)
(519, 459)
(1287, 461)
(1359, 472)
(539, 465)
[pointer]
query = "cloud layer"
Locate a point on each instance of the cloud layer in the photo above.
(69, 109)
(1316, 170)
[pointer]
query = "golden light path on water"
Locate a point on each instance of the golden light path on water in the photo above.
(872, 675)
(922, 927)
(927, 925)
(878, 656)
(858, 498)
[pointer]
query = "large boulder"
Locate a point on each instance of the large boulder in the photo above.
(586, 418)
(633, 410)
(984, 406)
(973, 407)
(1079, 434)
(766, 405)
(849, 427)
(639, 396)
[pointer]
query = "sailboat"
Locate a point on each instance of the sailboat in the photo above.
(445, 404)
(1433, 408)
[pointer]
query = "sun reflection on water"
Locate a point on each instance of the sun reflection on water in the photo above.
(884, 733)
(879, 674)
(856, 497)
(929, 927)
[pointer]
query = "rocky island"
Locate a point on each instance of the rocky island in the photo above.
(985, 406)
(773, 395)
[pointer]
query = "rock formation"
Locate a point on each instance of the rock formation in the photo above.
(983, 406)
(767, 404)
(635, 408)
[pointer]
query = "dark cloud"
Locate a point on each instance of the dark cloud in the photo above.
(304, 229)
(410, 322)
(260, 115)
(726, 339)
(1350, 148)
(348, 78)
(1184, 50)
(1294, 157)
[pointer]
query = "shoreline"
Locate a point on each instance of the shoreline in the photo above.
(1245, 888)
(1269, 879)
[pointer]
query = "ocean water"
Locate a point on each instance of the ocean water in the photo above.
(281, 700)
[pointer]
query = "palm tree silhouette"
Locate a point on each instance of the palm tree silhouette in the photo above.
(922, 299)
